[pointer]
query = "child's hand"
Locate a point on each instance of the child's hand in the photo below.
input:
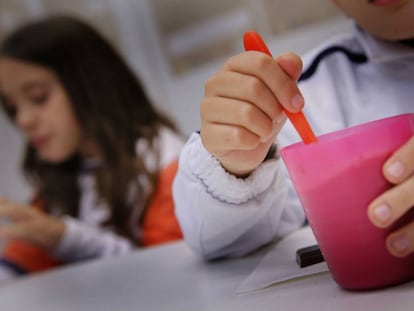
(390, 206)
(30, 225)
(241, 112)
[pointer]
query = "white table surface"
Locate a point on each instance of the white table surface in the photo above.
(171, 278)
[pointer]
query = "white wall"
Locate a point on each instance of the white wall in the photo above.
(178, 96)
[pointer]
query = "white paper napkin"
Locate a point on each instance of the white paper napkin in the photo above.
(279, 264)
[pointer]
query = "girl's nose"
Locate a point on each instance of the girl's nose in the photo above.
(26, 117)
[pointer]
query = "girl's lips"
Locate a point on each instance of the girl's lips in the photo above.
(384, 2)
(39, 142)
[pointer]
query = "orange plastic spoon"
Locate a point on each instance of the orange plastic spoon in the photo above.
(253, 41)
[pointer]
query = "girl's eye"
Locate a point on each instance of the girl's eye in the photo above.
(40, 99)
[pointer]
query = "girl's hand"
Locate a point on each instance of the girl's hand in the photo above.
(241, 112)
(394, 203)
(30, 225)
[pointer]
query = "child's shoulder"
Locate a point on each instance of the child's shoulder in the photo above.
(341, 42)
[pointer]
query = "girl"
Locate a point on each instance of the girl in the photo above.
(100, 158)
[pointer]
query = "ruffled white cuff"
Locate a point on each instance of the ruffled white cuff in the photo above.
(223, 185)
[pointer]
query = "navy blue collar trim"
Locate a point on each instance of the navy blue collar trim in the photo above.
(357, 58)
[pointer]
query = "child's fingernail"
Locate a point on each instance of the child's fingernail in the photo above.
(396, 169)
(297, 101)
(400, 243)
(382, 213)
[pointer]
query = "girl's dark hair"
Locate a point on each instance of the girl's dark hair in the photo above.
(111, 107)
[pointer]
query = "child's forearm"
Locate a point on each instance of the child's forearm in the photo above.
(222, 215)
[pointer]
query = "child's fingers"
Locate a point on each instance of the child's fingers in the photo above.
(401, 164)
(13, 211)
(13, 231)
(282, 85)
(401, 242)
(248, 88)
(227, 111)
(391, 205)
(41, 229)
(221, 138)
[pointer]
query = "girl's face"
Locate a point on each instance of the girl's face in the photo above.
(386, 19)
(41, 109)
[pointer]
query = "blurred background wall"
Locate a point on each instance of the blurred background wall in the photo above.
(174, 46)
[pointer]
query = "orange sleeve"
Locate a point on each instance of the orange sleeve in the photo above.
(160, 224)
(26, 257)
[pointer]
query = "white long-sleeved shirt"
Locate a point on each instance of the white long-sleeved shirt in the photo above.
(350, 79)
